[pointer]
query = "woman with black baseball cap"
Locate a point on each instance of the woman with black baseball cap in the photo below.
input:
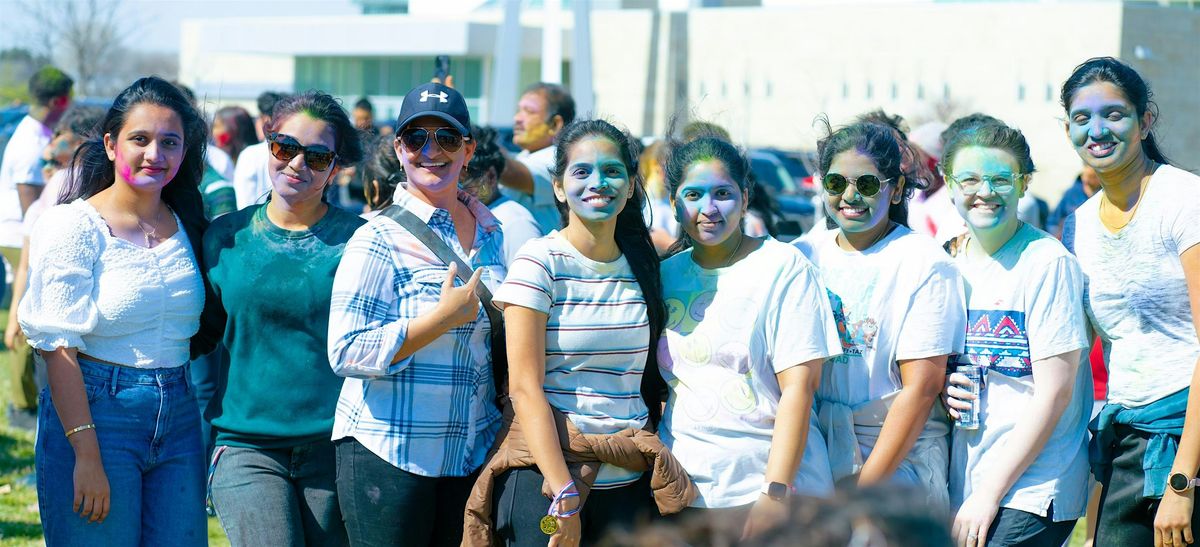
(417, 414)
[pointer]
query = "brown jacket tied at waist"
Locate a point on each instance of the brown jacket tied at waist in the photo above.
(633, 449)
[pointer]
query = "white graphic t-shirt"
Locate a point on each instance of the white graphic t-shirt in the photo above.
(900, 299)
(1135, 295)
(729, 332)
(1024, 304)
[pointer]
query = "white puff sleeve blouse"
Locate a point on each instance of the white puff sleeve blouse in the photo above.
(108, 297)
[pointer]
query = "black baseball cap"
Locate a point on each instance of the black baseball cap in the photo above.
(438, 101)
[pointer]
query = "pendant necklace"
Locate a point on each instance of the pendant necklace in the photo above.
(151, 235)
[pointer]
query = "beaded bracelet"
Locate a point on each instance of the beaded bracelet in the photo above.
(83, 427)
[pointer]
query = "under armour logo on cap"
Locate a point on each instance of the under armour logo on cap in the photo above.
(442, 96)
(438, 101)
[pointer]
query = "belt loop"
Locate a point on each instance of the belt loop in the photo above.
(116, 371)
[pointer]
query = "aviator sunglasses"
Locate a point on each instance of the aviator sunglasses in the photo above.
(867, 185)
(285, 149)
(414, 138)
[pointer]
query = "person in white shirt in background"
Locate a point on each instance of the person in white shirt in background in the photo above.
(897, 299)
(1021, 476)
(72, 129)
(748, 329)
(480, 178)
(21, 184)
(251, 176)
(542, 111)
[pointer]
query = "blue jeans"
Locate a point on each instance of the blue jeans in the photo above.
(149, 434)
(280, 496)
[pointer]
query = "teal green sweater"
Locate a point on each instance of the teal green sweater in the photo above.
(276, 389)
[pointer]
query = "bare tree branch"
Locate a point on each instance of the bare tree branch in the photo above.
(83, 35)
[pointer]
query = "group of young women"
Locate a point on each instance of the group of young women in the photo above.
(364, 399)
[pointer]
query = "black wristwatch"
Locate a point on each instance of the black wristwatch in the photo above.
(776, 490)
(1180, 483)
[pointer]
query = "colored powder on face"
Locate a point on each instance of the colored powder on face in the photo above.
(123, 168)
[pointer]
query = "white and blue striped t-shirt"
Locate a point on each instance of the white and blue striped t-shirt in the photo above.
(597, 334)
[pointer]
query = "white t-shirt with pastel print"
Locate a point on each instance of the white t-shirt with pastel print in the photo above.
(597, 337)
(1136, 295)
(1024, 304)
(729, 332)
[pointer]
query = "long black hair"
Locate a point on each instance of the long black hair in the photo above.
(93, 172)
(1131, 84)
(633, 239)
(883, 145)
(710, 147)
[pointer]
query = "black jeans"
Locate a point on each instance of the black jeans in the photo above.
(520, 506)
(1126, 517)
(1013, 527)
(385, 506)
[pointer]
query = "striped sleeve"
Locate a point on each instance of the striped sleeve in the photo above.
(529, 283)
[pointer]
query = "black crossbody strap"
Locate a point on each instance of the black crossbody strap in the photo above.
(425, 234)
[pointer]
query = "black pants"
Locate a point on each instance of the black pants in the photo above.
(520, 506)
(386, 506)
(1126, 517)
(1014, 527)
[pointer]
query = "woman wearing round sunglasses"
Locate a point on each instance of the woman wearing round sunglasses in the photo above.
(272, 267)
(1138, 242)
(417, 414)
(1021, 477)
(897, 300)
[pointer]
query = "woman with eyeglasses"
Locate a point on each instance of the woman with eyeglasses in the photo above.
(417, 414)
(1138, 243)
(272, 267)
(897, 300)
(1019, 473)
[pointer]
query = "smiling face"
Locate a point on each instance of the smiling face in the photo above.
(708, 203)
(294, 180)
(533, 128)
(596, 184)
(148, 150)
(985, 208)
(1105, 127)
(431, 169)
(852, 211)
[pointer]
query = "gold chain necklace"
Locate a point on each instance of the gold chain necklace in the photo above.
(1132, 212)
(152, 235)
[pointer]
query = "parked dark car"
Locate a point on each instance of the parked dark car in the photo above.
(795, 204)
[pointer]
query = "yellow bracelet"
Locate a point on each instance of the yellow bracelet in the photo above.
(80, 428)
